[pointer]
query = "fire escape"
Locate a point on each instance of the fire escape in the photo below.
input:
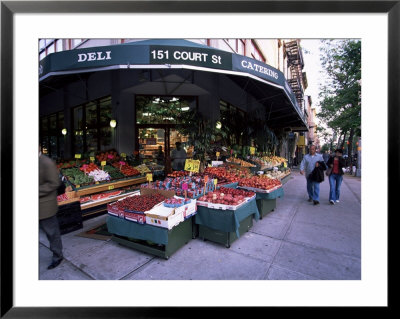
(298, 79)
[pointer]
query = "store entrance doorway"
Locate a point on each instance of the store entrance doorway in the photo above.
(156, 142)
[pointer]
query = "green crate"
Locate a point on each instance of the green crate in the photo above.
(178, 236)
(265, 206)
(225, 238)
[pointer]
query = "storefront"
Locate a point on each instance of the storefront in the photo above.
(112, 116)
(141, 86)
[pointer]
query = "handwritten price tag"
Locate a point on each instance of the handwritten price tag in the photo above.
(252, 150)
(123, 155)
(92, 159)
(103, 163)
(110, 187)
(185, 186)
(78, 155)
(218, 154)
(215, 181)
(192, 166)
(149, 177)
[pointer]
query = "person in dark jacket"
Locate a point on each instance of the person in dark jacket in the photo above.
(317, 175)
(49, 182)
(337, 163)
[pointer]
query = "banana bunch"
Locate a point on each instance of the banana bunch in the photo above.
(143, 169)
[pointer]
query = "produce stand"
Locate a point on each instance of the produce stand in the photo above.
(105, 186)
(285, 179)
(266, 202)
(89, 208)
(69, 216)
(225, 226)
(150, 239)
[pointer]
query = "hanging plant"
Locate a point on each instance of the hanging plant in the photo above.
(201, 132)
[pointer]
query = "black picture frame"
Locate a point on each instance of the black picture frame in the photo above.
(9, 8)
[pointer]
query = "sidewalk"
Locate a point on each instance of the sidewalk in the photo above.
(297, 241)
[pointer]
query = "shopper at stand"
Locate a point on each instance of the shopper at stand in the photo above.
(49, 182)
(309, 162)
(337, 163)
(160, 156)
(178, 157)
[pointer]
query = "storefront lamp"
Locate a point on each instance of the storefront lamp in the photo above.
(64, 131)
(113, 123)
(218, 125)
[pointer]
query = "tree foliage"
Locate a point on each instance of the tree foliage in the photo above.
(340, 93)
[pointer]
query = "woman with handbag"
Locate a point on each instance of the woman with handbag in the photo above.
(335, 172)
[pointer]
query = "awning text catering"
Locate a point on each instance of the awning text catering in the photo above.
(258, 68)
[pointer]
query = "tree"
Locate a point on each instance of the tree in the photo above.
(340, 94)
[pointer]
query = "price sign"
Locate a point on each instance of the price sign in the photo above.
(252, 150)
(110, 187)
(123, 155)
(92, 159)
(206, 178)
(218, 154)
(215, 182)
(284, 164)
(185, 186)
(149, 177)
(103, 163)
(77, 155)
(192, 165)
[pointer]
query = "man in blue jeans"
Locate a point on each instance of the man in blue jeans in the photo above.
(307, 165)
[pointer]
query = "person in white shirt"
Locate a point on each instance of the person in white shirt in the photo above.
(178, 157)
(309, 162)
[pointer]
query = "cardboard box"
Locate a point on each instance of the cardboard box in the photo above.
(165, 217)
(135, 217)
(167, 194)
(188, 209)
(223, 206)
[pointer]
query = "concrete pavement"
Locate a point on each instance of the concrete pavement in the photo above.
(297, 241)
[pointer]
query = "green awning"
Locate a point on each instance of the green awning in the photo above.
(168, 54)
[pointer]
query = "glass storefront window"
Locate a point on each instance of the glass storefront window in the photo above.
(53, 122)
(105, 138)
(51, 138)
(91, 115)
(91, 140)
(105, 112)
(162, 109)
(78, 118)
(92, 131)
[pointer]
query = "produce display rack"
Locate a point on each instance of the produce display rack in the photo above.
(285, 178)
(178, 236)
(224, 238)
(94, 208)
(69, 217)
(101, 187)
(265, 206)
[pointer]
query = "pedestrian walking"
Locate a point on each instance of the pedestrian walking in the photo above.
(326, 156)
(49, 182)
(309, 162)
(336, 164)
